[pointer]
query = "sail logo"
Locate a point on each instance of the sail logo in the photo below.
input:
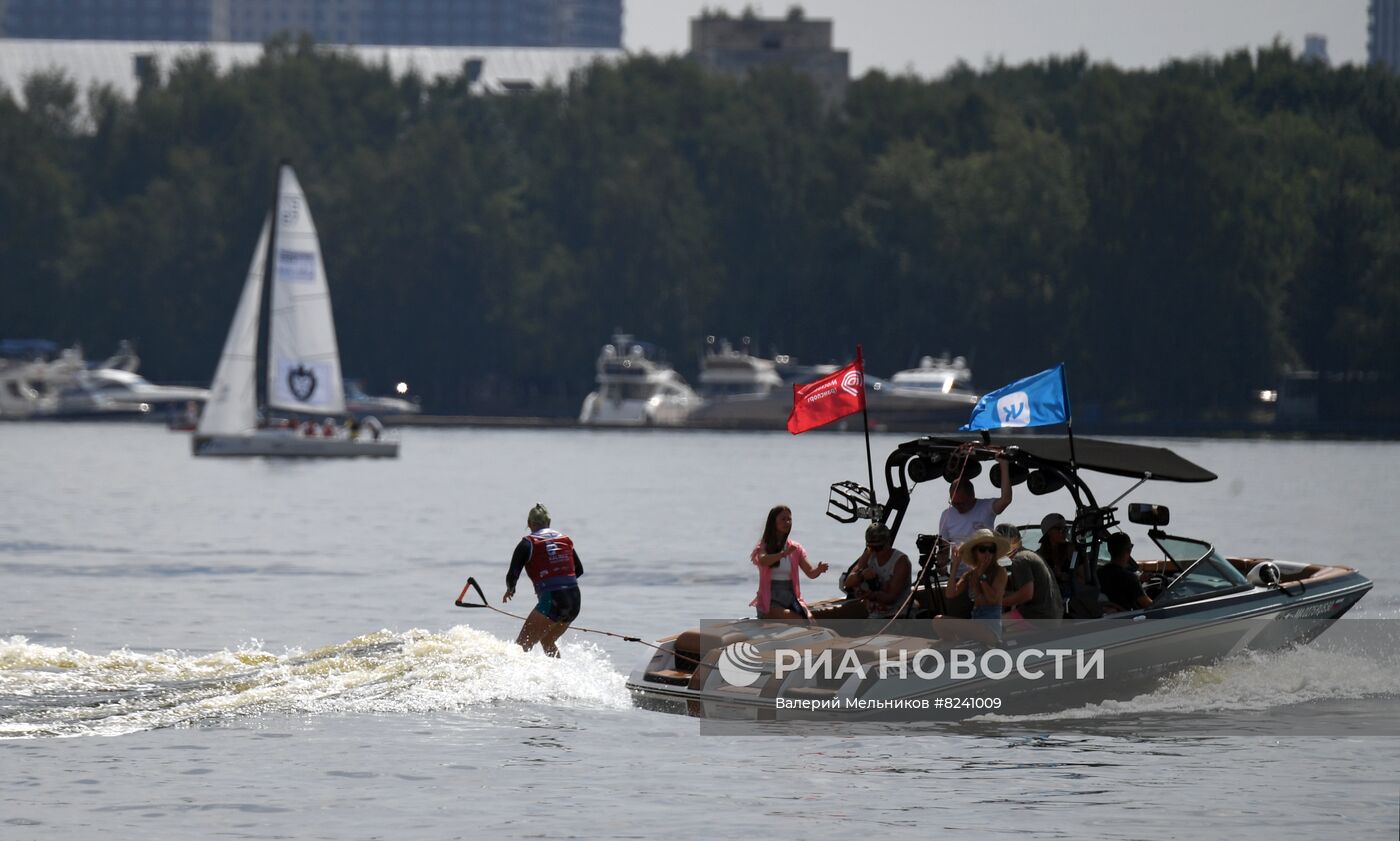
(1014, 409)
(740, 664)
(296, 266)
(301, 380)
(291, 210)
(851, 383)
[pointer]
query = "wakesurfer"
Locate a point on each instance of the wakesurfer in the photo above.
(549, 558)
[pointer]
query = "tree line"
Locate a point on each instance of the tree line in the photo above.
(1177, 236)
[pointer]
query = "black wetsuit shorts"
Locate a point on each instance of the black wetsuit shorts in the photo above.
(561, 605)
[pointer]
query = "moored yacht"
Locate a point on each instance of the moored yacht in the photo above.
(943, 374)
(1204, 606)
(744, 391)
(740, 389)
(39, 381)
(636, 387)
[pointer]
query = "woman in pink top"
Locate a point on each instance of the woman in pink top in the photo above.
(778, 559)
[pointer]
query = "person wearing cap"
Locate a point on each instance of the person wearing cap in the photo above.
(1118, 578)
(552, 562)
(882, 575)
(1057, 551)
(983, 554)
(1031, 589)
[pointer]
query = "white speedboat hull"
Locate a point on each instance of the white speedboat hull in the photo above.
(288, 444)
(1138, 647)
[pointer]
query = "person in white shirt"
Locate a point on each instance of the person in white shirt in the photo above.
(965, 515)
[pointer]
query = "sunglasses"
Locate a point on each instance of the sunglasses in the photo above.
(984, 548)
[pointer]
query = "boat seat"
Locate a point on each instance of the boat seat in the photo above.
(674, 677)
(697, 643)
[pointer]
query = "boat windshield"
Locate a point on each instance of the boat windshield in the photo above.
(1207, 573)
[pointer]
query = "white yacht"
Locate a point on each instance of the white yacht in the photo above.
(744, 391)
(360, 403)
(937, 392)
(636, 388)
(740, 389)
(65, 386)
(943, 374)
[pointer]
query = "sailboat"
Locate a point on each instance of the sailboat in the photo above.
(303, 360)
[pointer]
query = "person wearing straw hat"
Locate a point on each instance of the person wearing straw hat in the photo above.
(983, 554)
(552, 562)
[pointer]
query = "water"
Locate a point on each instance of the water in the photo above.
(254, 649)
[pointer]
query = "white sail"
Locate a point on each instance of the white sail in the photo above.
(303, 370)
(232, 405)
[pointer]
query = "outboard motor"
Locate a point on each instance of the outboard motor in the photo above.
(1265, 574)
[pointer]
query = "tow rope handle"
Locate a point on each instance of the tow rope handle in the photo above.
(471, 585)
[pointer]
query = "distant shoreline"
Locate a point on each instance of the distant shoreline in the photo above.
(1143, 429)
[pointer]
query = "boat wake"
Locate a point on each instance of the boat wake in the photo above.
(1311, 675)
(57, 692)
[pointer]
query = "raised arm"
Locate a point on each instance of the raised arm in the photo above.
(1004, 501)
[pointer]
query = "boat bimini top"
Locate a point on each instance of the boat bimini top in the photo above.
(1044, 463)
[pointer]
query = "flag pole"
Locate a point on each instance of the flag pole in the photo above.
(1069, 419)
(865, 420)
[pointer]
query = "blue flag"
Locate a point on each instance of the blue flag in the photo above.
(1037, 400)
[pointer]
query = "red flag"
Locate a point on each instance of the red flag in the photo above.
(830, 398)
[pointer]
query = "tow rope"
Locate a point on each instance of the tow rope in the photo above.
(472, 585)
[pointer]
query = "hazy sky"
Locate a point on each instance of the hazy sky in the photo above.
(927, 36)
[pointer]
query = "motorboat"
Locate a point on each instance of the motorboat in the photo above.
(302, 375)
(113, 385)
(742, 390)
(32, 372)
(936, 392)
(39, 381)
(944, 374)
(1205, 606)
(360, 403)
(636, 387)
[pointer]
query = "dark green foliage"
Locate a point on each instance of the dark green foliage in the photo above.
(1177, 236)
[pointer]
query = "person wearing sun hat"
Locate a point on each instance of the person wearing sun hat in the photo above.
(984, 555)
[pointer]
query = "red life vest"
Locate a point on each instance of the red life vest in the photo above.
(551, 555)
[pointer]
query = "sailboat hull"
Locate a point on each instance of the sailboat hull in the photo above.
(289, 444)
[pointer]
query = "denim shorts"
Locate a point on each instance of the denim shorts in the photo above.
(989, 615)
(781, 596)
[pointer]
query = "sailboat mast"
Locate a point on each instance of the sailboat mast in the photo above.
(261, 365)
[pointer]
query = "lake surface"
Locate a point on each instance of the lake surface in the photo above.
(255, 649)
